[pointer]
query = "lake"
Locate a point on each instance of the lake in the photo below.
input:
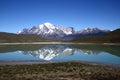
(106, 54)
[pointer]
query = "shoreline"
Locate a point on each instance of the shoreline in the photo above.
(29, 62)
(21, 62)
(58, 43)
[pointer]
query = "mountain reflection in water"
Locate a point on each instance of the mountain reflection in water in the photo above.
(51, 51)
(62, 52)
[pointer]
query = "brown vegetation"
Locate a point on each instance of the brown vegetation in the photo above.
(59, 71)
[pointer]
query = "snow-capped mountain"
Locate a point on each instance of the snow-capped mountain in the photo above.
(48, 30)
(92, 31)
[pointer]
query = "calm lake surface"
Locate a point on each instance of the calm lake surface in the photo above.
(107, 54)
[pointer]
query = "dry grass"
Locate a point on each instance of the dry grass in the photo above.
(59, 71)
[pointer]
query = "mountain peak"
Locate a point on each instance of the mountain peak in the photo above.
(47, 25)
(48, 30)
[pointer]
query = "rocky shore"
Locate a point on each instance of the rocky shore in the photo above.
(73, 70)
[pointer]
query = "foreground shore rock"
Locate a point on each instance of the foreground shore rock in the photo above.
(60, 71)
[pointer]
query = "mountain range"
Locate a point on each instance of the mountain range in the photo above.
(48, 30)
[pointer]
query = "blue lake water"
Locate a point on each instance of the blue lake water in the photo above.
(107, 54)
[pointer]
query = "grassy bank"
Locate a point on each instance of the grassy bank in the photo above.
(59, 71)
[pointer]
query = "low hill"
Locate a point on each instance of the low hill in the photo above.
(112, 37)
(11, 37)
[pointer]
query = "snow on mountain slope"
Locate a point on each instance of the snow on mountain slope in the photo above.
(48, 30)
(91, 30)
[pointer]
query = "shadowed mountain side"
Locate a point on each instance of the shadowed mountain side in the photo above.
(112, 49)
(112, 37)
(10, 37)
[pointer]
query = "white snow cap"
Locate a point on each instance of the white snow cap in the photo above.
(48, 24)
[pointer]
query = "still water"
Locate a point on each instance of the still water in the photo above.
(107, 54)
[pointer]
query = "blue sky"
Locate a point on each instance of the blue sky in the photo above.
(18, 14)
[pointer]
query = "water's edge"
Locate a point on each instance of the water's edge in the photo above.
(58, 43)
